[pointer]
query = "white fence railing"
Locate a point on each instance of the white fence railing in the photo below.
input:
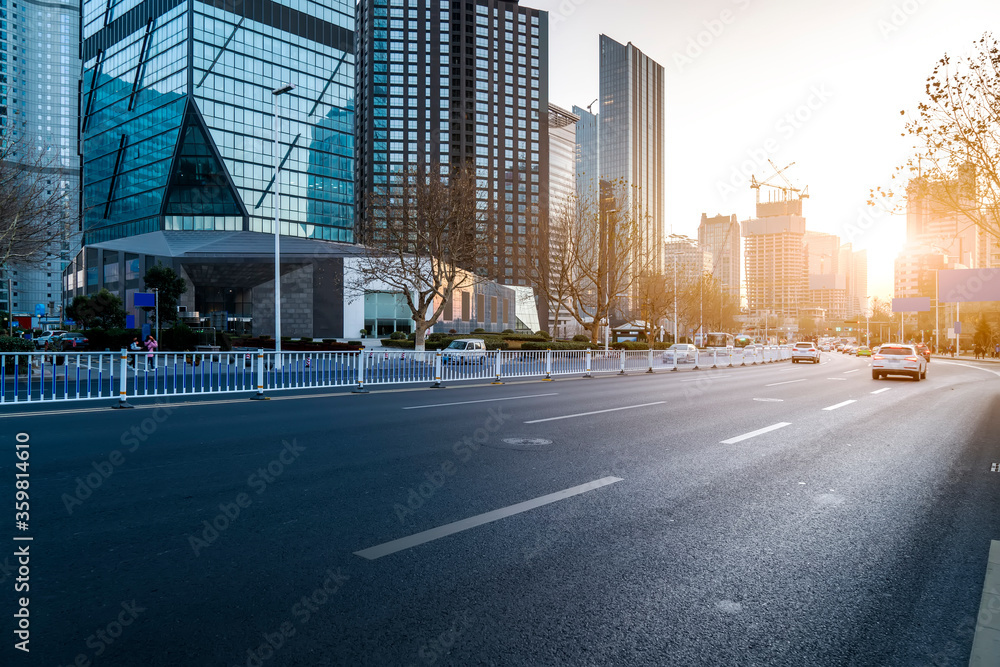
(28, 377)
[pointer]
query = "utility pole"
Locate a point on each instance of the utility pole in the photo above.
(156, 310)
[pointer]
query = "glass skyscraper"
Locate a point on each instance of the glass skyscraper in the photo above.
(632, 134)
(176, 117)
(460, 83)
(39, 77)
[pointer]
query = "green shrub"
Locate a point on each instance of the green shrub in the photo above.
(629, 345)
(333, 340)
(178, 338)
(557, 345)
(479, 330)
(350, 342)
(306, 339)
(397, 344)
(544, 334)
(264, 337)
(507, 332)
(224, 340)
(397, 335)
(436, 336)
(112, 339)
(286, 338)
(15, 344)
(580, 338)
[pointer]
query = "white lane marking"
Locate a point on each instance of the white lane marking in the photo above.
(485, 400)
(595, 412)
(879, 391)
(839, 405)
(955, 363)
(770, 400)
(392, 547)
(780, 383)
(753, 434)
(842, 379)
(854, 371)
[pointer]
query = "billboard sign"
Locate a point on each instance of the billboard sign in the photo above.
(969, 285)
(143, 300)
(920, 304)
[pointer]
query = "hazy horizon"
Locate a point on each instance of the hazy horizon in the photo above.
(819, 85)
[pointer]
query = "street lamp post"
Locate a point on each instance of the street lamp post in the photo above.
(277, 227)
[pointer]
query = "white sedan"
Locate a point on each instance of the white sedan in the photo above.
(899, 359)
(685, 353)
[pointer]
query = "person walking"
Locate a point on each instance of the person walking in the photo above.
(134, 347)
(151, 346)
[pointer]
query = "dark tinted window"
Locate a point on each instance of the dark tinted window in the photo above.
(896, 351)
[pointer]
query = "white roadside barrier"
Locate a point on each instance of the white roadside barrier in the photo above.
(31, 377)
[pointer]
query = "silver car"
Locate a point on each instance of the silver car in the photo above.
(685, 353)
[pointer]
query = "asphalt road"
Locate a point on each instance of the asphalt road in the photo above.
(236, 532)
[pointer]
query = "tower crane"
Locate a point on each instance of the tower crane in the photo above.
(788, 191)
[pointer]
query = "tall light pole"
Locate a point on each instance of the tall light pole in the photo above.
(277, 227)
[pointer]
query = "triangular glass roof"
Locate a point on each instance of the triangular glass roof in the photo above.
(199, 184)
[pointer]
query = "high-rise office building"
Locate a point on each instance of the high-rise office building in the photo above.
(177, 117)
(588, 155)
(938, 216)
(720, 235)
(177, 104)
(632, 136)
(39, 82)
(562, 201)
(853, 264)
(775, 274)
(460, 84)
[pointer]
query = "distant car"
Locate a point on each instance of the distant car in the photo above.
(898, 359)
(685, 353)
(863, 352)
(805, 352)
(48, 337)
(824, 348)
(924, 350)
(73, 341)
(465, 351)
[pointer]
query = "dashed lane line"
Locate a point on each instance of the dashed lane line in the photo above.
(754, 434)
(595, 412)
(473, 522)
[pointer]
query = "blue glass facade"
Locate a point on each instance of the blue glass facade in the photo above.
(177, 117)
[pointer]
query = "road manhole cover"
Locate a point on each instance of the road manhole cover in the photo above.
(523, 443)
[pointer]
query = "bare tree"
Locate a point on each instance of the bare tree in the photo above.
(423, 239)
(36, 211)
(956, 163)
(654, 300)
(595, 258)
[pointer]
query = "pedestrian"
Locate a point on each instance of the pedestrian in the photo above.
(151, 346)
(134, 347)
(996, 351)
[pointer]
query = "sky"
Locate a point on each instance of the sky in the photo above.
(817, 83)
